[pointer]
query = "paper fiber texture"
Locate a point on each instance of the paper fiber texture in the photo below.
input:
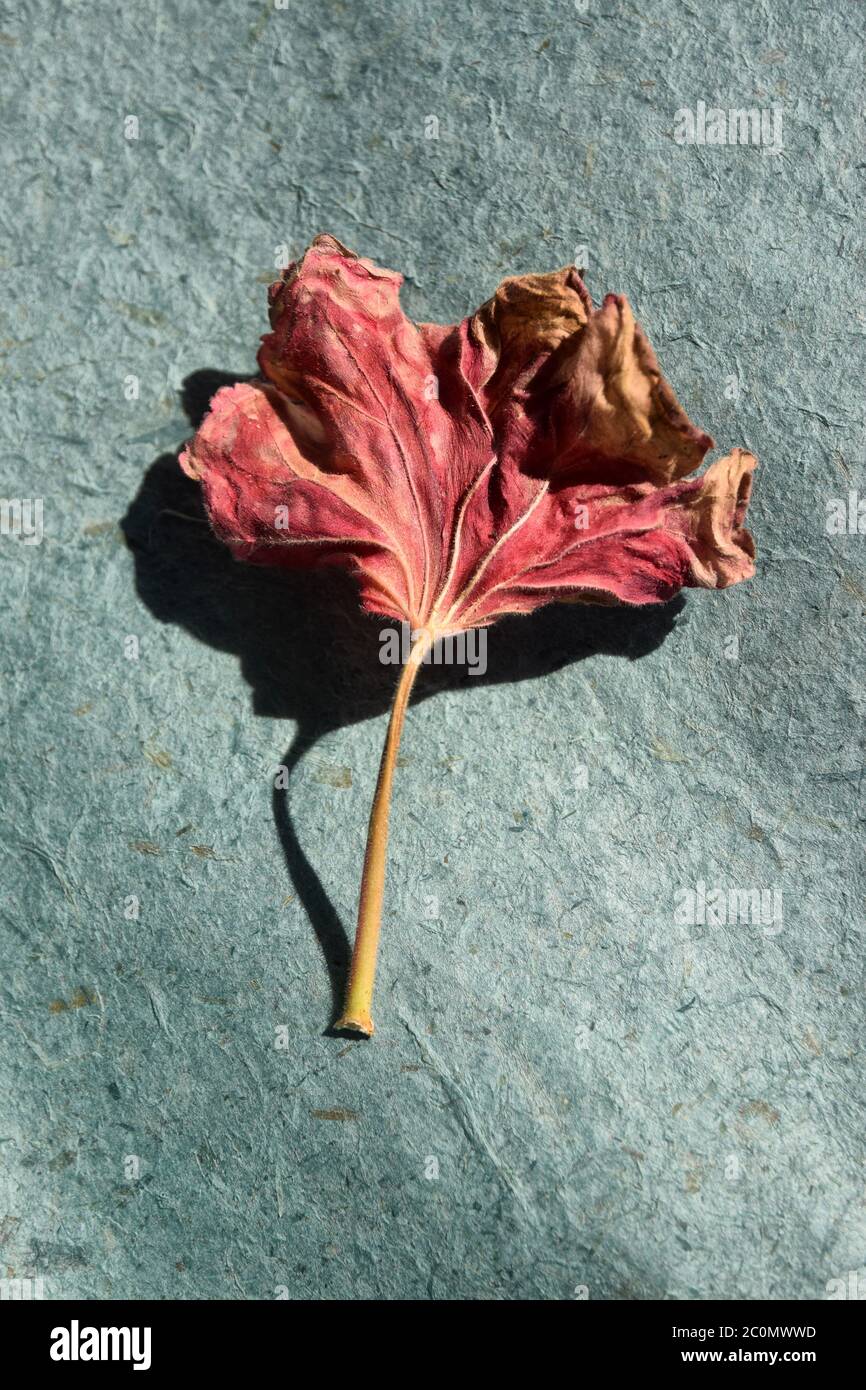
(594, 1075)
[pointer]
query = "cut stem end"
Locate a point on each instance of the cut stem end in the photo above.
(355, 1023)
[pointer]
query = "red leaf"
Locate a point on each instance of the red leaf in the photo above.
(532, 453)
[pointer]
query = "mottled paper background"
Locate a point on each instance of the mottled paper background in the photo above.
(569, 1091)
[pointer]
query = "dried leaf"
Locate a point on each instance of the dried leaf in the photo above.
(532, 453)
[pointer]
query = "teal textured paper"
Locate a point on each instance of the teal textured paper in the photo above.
(573, 1090)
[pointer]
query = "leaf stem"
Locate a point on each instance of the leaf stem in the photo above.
(362, 976)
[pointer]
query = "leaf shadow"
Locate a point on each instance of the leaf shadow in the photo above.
(311, 655)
